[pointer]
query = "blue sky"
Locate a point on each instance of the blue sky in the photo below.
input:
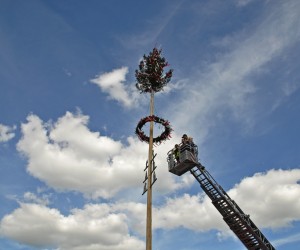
(71, 165)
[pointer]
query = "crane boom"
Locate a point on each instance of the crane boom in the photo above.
(240, 223)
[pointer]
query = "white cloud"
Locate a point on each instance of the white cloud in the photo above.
(270, 198)
(29, 197)
(68, 156)
(113, 84)
(93, 227)
(33, 198)
(6, 133)
(192, 212)
(272, 203)
(276, 195)
(226, 87)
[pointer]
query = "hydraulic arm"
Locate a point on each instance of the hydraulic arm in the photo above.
(240, 223)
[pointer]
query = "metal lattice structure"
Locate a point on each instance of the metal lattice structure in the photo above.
(240, 223)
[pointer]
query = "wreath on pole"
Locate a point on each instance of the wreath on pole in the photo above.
(159, 139)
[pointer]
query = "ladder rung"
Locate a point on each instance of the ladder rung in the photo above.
(230, 216)
(206, 183)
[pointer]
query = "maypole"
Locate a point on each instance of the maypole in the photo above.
(149, 186)
(150, 79)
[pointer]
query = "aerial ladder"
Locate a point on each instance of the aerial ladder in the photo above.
(239, 222)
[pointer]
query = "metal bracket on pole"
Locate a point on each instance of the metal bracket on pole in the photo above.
(146, 177)
(145, 189)
(154, 167)
(154, 178)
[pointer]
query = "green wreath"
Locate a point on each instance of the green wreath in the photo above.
(159, 139)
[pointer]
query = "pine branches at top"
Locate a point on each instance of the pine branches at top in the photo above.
(150, 75)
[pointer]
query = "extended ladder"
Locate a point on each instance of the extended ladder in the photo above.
(236, 219)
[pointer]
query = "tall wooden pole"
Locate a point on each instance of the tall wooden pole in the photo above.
(150, 77)
(149, 186)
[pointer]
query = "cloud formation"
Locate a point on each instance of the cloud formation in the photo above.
(112, 83)
(67, 156)
(6, 133)
(274, 204)
(93, 227)
(276, 194)
(270, 198)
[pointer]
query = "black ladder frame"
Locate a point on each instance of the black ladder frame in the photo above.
(236, 219)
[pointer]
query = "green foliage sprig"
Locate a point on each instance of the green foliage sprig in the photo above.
(150, 75)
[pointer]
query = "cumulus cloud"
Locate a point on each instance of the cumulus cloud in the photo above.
(105, 226)
(112, 83)
(270, 198)
(66, 155)
(6, 133)
(276, 195)
(177, 213)
(93, 227)
(274, 204)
